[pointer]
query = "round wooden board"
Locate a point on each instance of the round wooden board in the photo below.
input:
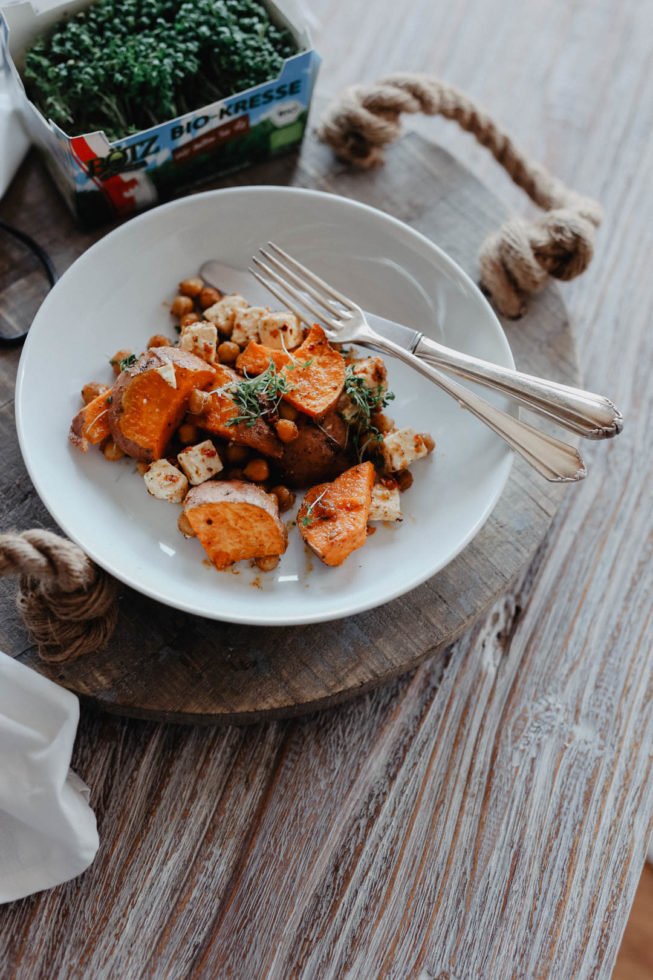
(166, 665)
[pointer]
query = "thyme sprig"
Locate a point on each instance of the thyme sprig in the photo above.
(260, 396)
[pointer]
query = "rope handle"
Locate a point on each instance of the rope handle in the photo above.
(520, 257)
(68, 604)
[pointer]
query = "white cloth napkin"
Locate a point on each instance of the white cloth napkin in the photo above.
(47, 829)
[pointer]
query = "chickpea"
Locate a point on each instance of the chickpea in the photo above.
(257, 470)
(428, 441)
(288, 412)
(158, 340)
(228, 352)
(119, 356)
(142, 467)
(188, 433)
(184, 526)
(197, 401)
(236, 453)
(285, 497)
(111, 451)
(267, 564)
(404, 479)
(235, 474)
(192, 286)
(92, 390)
(286, 430)
(181, 305)
(208, 297)
(189, 318)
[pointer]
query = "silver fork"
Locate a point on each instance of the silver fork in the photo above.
(344, 322)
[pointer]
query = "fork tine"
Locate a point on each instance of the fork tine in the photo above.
(304, 286)
(340, 297)
(296, 295)
(284, 299)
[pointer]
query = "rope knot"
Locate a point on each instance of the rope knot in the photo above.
(68, 604)
(520, 257)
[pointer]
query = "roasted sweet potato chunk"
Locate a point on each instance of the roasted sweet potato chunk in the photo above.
(333, 517)
(91, 425)
(219, 410)
(315, 371)
(150, 399)
(235, 520)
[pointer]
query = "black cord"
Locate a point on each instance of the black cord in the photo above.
(45, 261)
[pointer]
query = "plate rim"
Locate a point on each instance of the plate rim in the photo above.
(299, 619)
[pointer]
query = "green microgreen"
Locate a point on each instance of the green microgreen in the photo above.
(260, 396)
(366, 437)
(126, 362)
(122, 67)
(309, 517)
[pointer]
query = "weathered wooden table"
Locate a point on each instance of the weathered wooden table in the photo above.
(486, 816)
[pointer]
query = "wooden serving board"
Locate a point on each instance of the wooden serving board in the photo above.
(167, 665)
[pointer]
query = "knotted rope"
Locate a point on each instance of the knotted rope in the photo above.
(68, 604)
(519, 258)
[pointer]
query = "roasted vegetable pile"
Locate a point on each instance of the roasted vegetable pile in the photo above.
(125, 65)
(243, 409)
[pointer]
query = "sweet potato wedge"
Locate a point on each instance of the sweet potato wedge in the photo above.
(91, 425)
(149, 400)
(235, 520)
(333, 517)
(255, 359)
(220, 409)
(315, 371)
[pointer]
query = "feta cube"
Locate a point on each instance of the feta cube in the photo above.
(223, 312)
(401, 447)
(385, 504)
(246, 324)
(165, 482)
(280, 329)
(373, 371)
(167, 372)
(200, 462)
(200, 339)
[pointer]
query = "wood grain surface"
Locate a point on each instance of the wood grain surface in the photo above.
(169, 666)
(488, 815)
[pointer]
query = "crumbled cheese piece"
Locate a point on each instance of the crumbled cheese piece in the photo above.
(167, 372)
(385, 505)
(200, 462)
(401, 447)
(246, 324)
(165, 482)
(223, 312)
(200, 339)
(373, 371)
(346, 408)
(280, 329)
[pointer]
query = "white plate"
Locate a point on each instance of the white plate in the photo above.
(114, 297)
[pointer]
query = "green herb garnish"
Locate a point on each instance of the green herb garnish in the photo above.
(126, 362)
(108, 400)
(123, 67)
(260, 396)
(309, 516)
(365, 401)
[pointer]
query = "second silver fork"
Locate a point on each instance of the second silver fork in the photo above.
(344, 322)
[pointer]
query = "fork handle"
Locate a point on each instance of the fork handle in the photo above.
(554, 460)
(589, 415)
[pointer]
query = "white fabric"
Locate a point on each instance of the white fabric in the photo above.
(47, 829)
